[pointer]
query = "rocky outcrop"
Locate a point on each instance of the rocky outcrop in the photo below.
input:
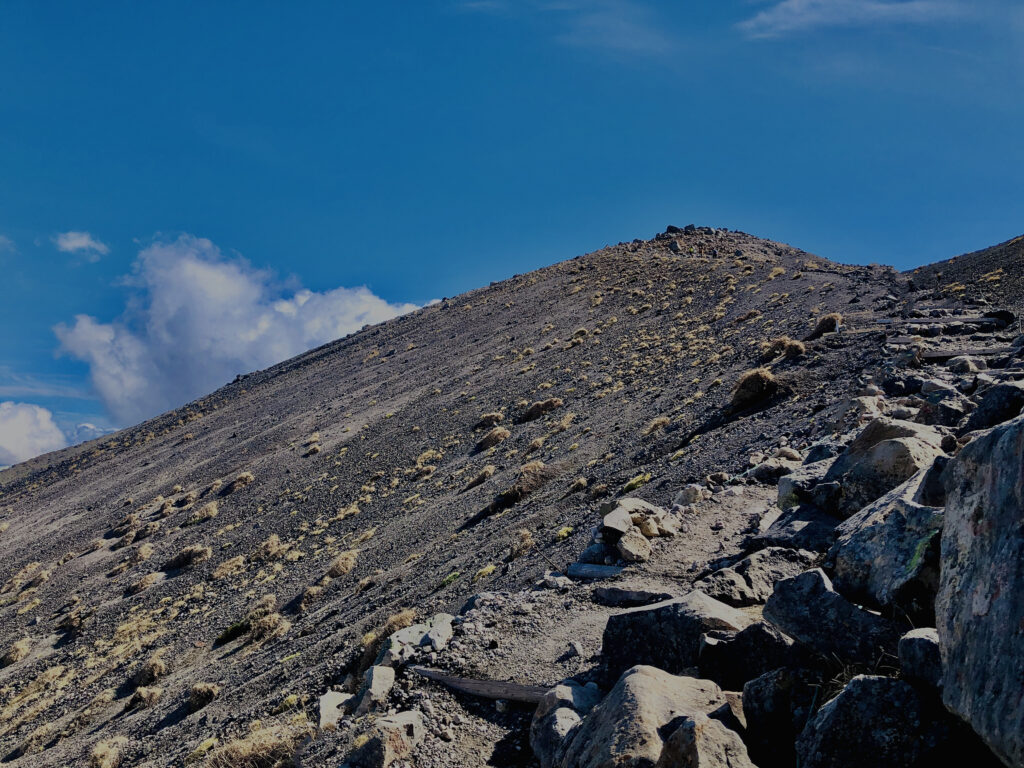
(886, 453)
(700, 742)
(666, 635)
(999, 403)
(980, 606)
(390, 739)
(753, 578)
(558, 714)
(808, 609)
(887, 554)
(627, 729)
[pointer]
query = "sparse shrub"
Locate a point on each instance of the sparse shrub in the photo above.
(343, 564)
(201, 694)
(490, 420)
(108, 753)
(483, 573)
(656, 424)
(753, 387)
(535, 445)
(271, 549)
(125, 540)
(481, 477)
(18, 651)
(521, 544)
(579, 484)
(636, 482)
(244, 479)
(450, 579)
(310, 595)
(153, 669)
(187, 500)
(493, 438)
(313, 450)
(143, 584)
(541, 407)
(204, 513)
(784, 346)
(145, 697)
(266, 746)
(826, 324)
(229, 567)
(189, 556)
(563, 533)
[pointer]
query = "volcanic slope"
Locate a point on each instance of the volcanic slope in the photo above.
(993, 274)
(256, 539)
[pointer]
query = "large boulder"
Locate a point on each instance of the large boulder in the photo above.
(666, 635)
(802, 527)
(700, 742)
(560, 711)
(627, 729)
(733, 658)
(389, 739)
(752, 579)
(777, 705)
(879, 721)
(999, 403)
(886, 453)
(887, 555)
(795, 488)
(980, 605)
(808, 609)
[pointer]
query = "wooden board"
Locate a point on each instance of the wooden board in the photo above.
(487, 689)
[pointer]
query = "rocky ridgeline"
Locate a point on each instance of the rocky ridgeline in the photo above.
(874, 617)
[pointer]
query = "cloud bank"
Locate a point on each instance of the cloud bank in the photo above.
(195, 319)
(25, 431)
(81, 243)
(792, 16)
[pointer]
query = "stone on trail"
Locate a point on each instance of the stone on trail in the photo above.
(795, 488)
(752, 579)
(999, 403)
(626, 730)
(666, 635)
(809, 610)
(700, 742)
(333, 706)
(803, 527)
(377, 684)
(920, 659)
(633, 546)
(391, 738)
(887, 554)
(980, 605)
(559, 712)
(733, 658)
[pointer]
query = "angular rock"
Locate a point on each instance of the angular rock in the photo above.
(999, 403)
(980, 605)
(690, 494)
(804, 527)
(752, 579)
(333, 706)
(559, 712)
(616, 523)
(700, 742)
(596, 553)
(795, 488)
(874, 721)
(809, 610)
(887, 555)
(777, 705)
(886, 453)
(666, 635)
(377, 684)
(626, 596)
(391, 738)
(920, 659)
(402, 645)
(625, 729)
(732, 659)
(771, 470)
(633, 546)
(966, 364)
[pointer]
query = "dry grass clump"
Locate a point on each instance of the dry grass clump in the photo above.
(493, 438)
(533, 476)
(262, 623)
(108, 753)
(784, 346)
(229, 567)
(266, 746)
(271, 549)
(309, 596)
(244, 479)
(18, 651)
(154, 668)
(189, 556)
(343, 564)
(206, 512)
(521, 544)
(373, 640)
(490, 420)
(143, 584)
(482, 476)
(826, 324)
(145, 697)
(656, 424)
(535, 445)
(753, 387)
(541, 407)
(579, 484)
(202, 694)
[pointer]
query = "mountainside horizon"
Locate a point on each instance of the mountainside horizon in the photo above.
(236, 574)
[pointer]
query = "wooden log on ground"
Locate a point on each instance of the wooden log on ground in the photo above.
(587, 571)
(487, 689)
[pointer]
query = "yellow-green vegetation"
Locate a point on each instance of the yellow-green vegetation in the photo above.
(656, 424)
(826, 324)
(495, 436)
(145, 697)
(154, 668)
(108, 753)
(201, 694)
(784, 346)
(144, 583)
(244, 479)
(263, 622)
(18, 651)
(636, 482)
(542, 407)
(563, 533)
(343, 564)
(204, 513)
(481, 477)
(265, 746)
(229, 567)
(483, 573)
(189, 556)
(450, 579)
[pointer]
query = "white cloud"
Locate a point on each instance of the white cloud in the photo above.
(25, 431)
(196, 319)
(6, 244)
(82, 243)
(792, 16)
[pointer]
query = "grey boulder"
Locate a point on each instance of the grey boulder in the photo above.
(752, 579)
(701, 742)
(920, 658)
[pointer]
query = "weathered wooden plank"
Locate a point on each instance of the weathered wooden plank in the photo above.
(487, 689)
(947, 354)
(587, 571)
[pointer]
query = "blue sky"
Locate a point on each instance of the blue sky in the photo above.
(189, 189)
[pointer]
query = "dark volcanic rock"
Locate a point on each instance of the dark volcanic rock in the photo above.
(920, 659)
(753, 578)
(999, 403)
(777, 706)
(733, 658)
(980, 607)
(804, 527)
